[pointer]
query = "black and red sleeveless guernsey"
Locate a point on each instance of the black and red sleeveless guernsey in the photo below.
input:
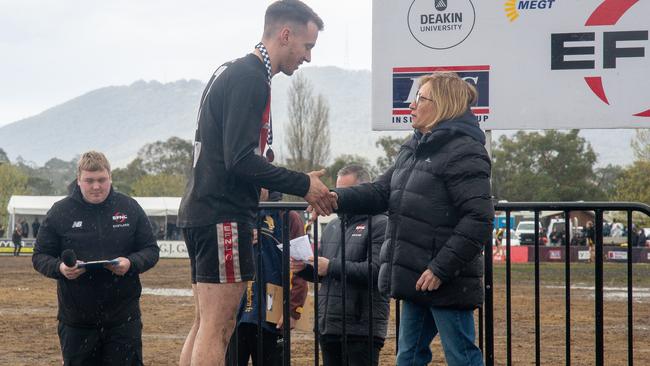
(228, 169)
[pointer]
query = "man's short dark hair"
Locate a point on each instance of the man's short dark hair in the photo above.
(358, 171)
(290, 11)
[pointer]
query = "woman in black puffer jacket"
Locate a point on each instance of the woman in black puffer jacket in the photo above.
(437, 195)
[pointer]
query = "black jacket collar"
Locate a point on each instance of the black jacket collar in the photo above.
(445, 131)
(77, 196)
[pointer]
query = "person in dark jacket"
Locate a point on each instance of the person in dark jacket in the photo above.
(99, 305)
(641, 238)
(269, 238)
(36, 225)
(437, 195)
(330, 313)
(228, 170)
(24, 228)
(17, 239)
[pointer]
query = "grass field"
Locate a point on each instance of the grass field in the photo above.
(28, 316)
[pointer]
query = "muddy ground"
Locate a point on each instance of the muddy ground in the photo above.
(28, 316)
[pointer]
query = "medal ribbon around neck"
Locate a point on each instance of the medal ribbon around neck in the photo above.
(267, 64)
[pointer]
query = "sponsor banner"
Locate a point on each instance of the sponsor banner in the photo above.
(616, 255)
(168, 248)
(27, 243)
(583, 255)
(405, 86)
(518, 254)
(172, 249)
(23, 250)
(537, 64)
(555, 254)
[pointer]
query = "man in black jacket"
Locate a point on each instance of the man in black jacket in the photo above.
(99, 309)
(36, 225)
(356, 263)
(219, 207)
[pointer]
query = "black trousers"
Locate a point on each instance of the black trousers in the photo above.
(116, 346)
(357, 350)
(243, 345)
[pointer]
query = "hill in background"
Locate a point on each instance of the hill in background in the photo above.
(119, 120)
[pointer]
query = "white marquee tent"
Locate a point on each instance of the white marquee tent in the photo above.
(39, 205)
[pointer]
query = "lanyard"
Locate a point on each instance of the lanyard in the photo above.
(267, 64)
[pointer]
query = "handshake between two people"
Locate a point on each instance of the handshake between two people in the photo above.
(321, 200)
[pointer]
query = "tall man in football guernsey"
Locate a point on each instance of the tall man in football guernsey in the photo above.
(219, 207)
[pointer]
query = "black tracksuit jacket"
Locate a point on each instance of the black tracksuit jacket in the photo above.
(117, 227)
(330, 306)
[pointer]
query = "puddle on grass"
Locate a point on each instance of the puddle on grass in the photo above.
(176, 292)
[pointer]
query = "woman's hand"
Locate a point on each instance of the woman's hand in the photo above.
(427, 282)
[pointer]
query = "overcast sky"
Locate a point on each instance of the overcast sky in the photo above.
(52, 51)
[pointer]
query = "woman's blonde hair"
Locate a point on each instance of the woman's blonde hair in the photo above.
(93, 161)
(451, 95)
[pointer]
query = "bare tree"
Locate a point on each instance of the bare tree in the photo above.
(641, 144)
(308, 134)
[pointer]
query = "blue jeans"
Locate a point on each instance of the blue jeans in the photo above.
(419, 325)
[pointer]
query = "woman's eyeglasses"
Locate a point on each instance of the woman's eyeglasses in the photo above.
(419, 96)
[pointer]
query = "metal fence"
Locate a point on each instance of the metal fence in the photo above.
(486, 313)
(567, 208)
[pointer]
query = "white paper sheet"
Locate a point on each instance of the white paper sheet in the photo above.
(300, 248)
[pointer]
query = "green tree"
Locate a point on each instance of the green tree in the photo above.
(59, 173)
(634, 186)
(12, 182)
(4, 159)
(125, 178)
(391, 146)
(308, 135)
(342, 161)
(50, 179)
(37, 186)
(171, 157)
(550, 166)
(606, 179)
(160, 185)
(641, 144)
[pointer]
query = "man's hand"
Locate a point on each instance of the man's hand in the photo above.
(427, 282)
(292, 322)
(296, 266)
(71, 273)
(319, 195)
(314, 215)
(120, 268)
(323, 265)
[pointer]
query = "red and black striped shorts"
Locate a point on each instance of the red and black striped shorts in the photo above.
(221, 253)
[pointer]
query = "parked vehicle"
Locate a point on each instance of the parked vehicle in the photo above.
(525, 232)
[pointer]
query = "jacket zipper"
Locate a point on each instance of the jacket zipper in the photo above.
(99, 232)
(399, 201)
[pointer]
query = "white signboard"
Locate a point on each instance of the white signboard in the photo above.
(537, 64)
(617, 255)
(172, 249)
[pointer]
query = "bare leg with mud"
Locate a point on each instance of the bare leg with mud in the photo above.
(218, 305)
(186, 353)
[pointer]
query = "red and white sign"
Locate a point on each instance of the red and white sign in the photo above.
(551, 64)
